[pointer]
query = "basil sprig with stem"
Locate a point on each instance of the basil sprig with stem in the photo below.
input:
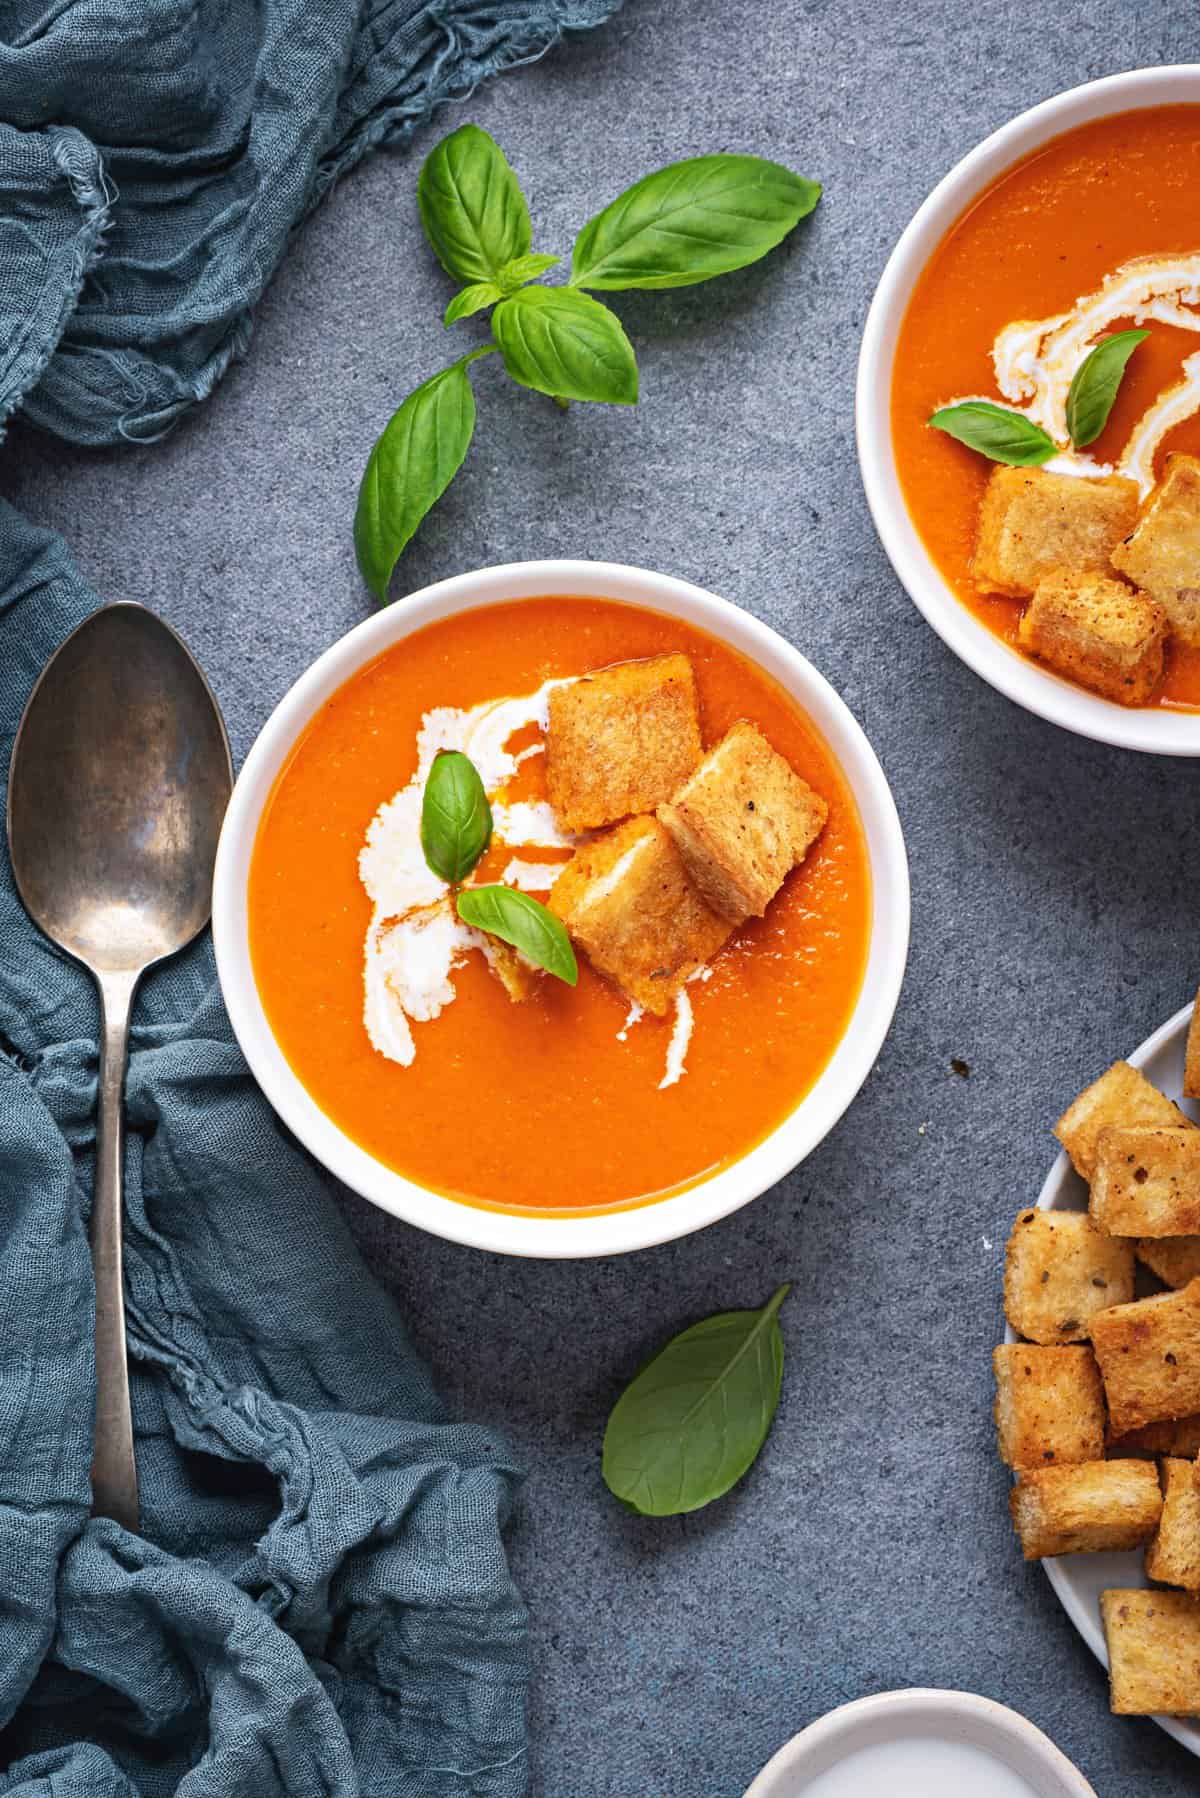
(692, 1422)
(1094, 387)
(996, 432)
(456, 828)
(683, 224)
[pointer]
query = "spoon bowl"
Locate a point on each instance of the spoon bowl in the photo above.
(119, 781)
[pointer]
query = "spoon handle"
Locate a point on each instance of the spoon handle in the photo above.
(114, 1475)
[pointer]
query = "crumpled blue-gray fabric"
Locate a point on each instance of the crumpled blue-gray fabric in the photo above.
(156, 155)
(318, 1601)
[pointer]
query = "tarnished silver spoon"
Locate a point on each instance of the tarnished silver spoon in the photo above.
(119, 780)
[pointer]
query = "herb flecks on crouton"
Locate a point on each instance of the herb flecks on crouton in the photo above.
(626, 899)
(1033, 522)
(1149, 1356)
(1120, 1098)
(1099, 632)
(1162, 556)
(1059, 1269)
(742, 822)
(1146, 1182)
(1091, 1508)
(1049, 1405)
(621, 740)
(1153, 1652)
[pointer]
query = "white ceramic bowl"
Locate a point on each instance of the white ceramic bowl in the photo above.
(1031, 686)
(1078, 1580)
(957, 1718)
(611, 1232)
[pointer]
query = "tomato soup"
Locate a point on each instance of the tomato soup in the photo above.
(1044, 234)
(554, 1104)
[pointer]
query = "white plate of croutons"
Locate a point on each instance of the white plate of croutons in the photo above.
(1098, 1380)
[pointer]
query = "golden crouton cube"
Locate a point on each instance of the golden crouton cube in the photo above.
(1085, 1509)
(1175, 1259)
(1149, 1355)
(1100, 632)
(1059, 1269)
(627, 901)
(1032, 522)
(1174, 1436)
(621, 740)
(1049, 1405)
(1153, 1652)
(1146, 1182)
(742, 822)
(1120, 1099)
(1162, 557)
(1191, 1062)
(1173, 1553)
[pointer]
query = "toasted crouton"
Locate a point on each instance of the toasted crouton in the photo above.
(1120, 1099)
(1162, 557)
(1175, 1259)
(1191, 1063)
(1100, 632)
(1146, 1182)
(1059, 1269)
(742, 822)
(1032, 522)
(1085, 1509)
(1153, 1652)
(1174, 1436)
(1049, 1405)
(1149, 1355)
(627, 901)
(518, 977)
(1173, 1553)
(621, 740)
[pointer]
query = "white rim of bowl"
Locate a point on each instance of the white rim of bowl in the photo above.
(1025, 682)
(655, 1221)
(958, 1716)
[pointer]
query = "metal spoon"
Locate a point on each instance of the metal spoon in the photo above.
(119, 780)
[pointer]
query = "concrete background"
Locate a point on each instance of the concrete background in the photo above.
(1055, 914)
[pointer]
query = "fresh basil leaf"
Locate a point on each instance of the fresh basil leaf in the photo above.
(514, 274)
(690, 1424)
(412, 464)
(456, 819)
(471, 205)
(472, 299)
(690, 221)
(560, 342)
(1092, 392)
(997, 432)
(517, 919)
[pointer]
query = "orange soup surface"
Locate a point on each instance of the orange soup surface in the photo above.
(541, 1106)
(1042, 236)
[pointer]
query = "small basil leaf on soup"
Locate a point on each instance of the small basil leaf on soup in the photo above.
(517, 919)
(469, 300)
(412, 464)
(690, 221)
(563, 343)
(472, 207)
(1095, 384)
(996, 432)
(514, 274)
(693, 1421)
(456, 819)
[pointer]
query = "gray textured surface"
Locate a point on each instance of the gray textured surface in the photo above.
(1054, 921)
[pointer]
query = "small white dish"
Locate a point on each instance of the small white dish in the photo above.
(1078, 1580)
(610, 1232)
(1161, 731)
(922, 1743)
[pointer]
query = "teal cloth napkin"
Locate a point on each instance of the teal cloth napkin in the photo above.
(318, 1604)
